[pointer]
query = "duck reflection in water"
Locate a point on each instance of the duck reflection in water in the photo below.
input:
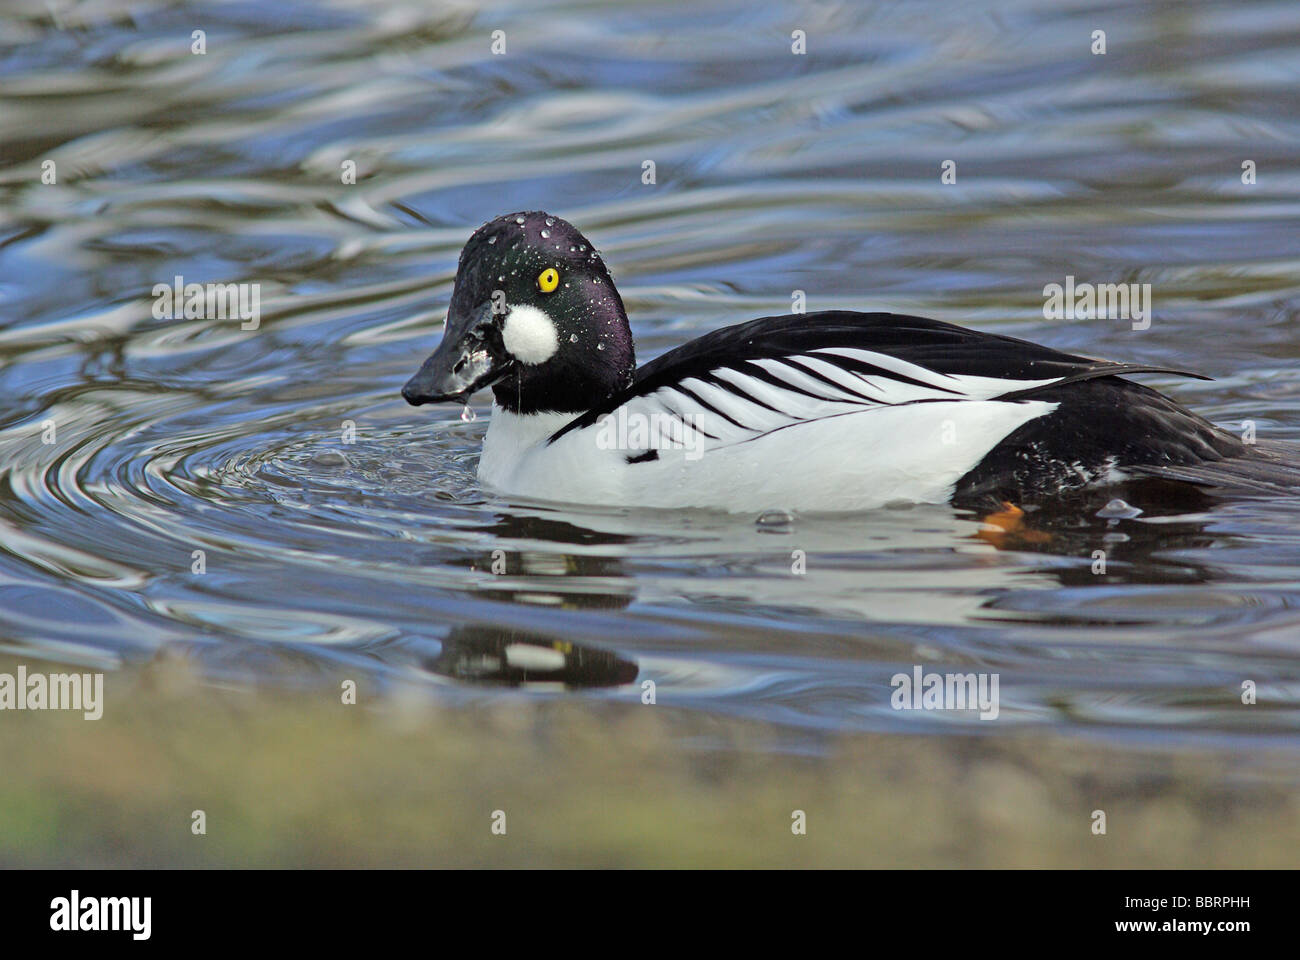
(492, 654)
(483, 654)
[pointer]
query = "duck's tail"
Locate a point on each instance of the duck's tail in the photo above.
(1266, 468)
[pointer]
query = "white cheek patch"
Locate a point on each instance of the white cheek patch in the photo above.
(529, 335)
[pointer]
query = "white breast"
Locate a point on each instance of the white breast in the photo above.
(510, 438)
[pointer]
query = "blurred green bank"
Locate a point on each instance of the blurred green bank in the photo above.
(300, 779)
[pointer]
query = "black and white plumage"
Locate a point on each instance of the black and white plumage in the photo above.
(822, 411)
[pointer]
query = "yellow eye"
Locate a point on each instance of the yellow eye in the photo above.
(548, 280)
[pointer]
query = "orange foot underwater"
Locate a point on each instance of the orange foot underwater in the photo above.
(1008, 523)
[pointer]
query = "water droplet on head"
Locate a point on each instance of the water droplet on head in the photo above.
(550, 220)
(467, 414)
(600, 346)
(546, 234)
(573, 338)
(491, 240)
(519, 220)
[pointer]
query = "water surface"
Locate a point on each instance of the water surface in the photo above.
(340, 529)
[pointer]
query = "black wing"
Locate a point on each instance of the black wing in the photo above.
(792, 364)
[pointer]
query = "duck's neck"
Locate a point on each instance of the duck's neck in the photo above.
(511, 435)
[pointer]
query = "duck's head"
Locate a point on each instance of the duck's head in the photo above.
(534, 315)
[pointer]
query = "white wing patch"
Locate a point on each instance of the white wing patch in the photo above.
(736, 404)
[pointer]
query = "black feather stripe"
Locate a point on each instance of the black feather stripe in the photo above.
(770, 378)
(866, 368)
(735, 389)
(676, 415)
(812, 372)
(683, 389)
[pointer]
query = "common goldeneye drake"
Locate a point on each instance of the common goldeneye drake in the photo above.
(827, 411)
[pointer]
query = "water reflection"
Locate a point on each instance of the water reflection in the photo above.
(1098, 527)
(517, 658)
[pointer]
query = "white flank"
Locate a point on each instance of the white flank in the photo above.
(857, 460)
(797, 433)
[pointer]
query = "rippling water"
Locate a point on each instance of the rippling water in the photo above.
(340, 527)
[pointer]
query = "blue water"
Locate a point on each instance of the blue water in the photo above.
(775, 173)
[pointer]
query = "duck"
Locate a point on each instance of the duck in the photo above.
(828, 411)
